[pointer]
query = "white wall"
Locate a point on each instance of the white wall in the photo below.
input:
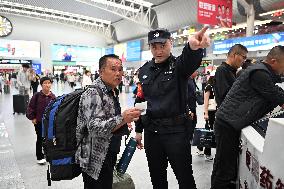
(48, 33)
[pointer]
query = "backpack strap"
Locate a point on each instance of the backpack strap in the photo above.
(85, 129)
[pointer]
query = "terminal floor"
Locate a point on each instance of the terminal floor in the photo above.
(18, 167)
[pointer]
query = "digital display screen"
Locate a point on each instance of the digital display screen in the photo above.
(19, 49)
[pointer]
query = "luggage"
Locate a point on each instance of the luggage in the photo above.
(126, 88)
(122, 181)
(22, 90)
(20, 103)
(204, 138)
(6, 89)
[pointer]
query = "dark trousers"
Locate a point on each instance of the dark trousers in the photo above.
(34, 89)
(209, 125)
(72, 84)
(224, 172)
(105, 179)
(174, 148)
(39, 154)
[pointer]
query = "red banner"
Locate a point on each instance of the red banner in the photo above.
(215, 12)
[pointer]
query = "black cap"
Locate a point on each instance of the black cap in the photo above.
(158, 36)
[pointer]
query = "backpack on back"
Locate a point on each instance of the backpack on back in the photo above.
(59, 124)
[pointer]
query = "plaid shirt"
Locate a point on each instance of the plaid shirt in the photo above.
(97, 116)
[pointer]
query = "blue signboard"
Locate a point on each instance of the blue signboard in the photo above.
(37, 68)
(109, 51)
(254, 43)
(133, 51)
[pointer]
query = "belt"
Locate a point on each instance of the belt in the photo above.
(176, 120)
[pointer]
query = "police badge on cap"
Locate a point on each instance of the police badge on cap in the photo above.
(158, 36)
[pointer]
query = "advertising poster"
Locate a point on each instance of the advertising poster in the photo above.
(215, 12)
(133, 51)
(19, 49)
(37, 68)
(121, 51)
(72, 53)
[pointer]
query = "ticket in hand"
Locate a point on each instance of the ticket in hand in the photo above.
(142, 106)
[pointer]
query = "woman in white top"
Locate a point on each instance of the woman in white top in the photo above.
(86, 79)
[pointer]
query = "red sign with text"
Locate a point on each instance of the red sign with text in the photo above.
(215, 12)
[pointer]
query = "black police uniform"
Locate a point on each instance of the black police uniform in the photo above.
(166, 123)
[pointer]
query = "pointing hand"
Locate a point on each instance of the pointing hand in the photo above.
(199, 39)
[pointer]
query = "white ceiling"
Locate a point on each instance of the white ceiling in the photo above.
(172, 14)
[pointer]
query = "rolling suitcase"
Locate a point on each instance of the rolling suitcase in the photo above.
(6, 89)
(20, 103)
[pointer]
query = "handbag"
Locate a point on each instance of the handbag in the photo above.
(212, 105)
(204, 138)
(199, 97)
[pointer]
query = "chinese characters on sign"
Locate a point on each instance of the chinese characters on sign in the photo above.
(215, 12)
(253, 43)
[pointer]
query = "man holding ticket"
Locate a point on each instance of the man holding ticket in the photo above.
(166, 124)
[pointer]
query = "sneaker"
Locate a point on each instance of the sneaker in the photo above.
(208, 158)
(41, 162)
(200, 153)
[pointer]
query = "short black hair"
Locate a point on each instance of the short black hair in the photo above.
(25, 66)
(237, 48)
(43, 79)
(103, 60)
(275, 52)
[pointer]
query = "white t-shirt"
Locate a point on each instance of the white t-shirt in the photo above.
(86, 80)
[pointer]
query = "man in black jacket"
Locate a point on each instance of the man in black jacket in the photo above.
(167, 127)
(225, 74)
(253, 95)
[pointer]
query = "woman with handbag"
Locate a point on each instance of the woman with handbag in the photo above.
(209, 112)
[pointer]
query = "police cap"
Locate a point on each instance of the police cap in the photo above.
(158, 36)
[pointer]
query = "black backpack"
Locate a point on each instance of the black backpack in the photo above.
(59, 124)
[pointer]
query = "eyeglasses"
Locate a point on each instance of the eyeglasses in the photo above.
(243, 56)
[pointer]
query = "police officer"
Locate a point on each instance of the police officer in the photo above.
(166, 124)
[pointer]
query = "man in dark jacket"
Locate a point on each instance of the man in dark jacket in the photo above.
(253, 95)
(167, 127)
(225, 74)
(192, 98)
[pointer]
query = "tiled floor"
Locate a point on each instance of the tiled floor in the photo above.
(20, 170)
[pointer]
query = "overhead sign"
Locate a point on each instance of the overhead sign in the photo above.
(254, 43)
(133, 51)
(215, 12)
(19, 49)
(11, 61)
